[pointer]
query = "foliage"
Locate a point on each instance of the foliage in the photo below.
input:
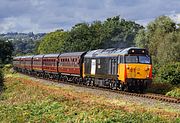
(23, 43)
(169, 73)
(113, 32)
(1, 77)
(6, 49)
(162, 39)
(7, 69)
(174, 93)
(52, 42)
(23, 46)
(27, 101)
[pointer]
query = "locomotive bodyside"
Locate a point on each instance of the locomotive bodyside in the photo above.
(100, 68)
(128, 68)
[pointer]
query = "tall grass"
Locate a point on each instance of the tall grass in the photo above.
(26, 101)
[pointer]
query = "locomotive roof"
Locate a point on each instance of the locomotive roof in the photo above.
(109, 52)
(73, 54)
(51, 55)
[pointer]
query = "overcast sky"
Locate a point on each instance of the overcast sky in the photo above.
(49, 15)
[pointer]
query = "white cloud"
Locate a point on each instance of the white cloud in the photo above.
(47, 15)
(175, 17)
(17, 23)
(7, 24)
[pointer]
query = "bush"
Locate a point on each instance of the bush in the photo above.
(1, 77)
(7, 68)
(174, 93)
(169, 73)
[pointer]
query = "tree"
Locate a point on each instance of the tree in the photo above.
(112, 33)
(79, 38)
(6, 49)
(52, 42)
(161, 38)
(119, 32)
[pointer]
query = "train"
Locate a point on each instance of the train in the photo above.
(128, 69)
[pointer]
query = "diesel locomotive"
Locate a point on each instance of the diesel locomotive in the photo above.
(127, 69)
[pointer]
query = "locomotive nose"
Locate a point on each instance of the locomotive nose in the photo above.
(138, 71)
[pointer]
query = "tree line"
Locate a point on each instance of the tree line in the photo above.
(113, 32)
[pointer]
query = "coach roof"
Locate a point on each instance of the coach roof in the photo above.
(73, 54)
(51, 55)
(27, 57)
(18, 57)
(38, 56)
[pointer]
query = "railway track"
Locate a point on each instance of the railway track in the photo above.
(147, 95)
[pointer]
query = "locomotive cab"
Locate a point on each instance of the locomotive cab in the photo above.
(135, 69)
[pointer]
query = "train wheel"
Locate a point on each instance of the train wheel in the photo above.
(121, 86)
(112, 85)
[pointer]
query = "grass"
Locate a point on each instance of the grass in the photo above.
(24, 100)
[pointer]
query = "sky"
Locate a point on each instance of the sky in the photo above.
(49, 15)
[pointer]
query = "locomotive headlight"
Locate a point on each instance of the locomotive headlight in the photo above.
(147, 68)
(132, 51)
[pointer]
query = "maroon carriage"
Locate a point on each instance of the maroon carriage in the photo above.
(37, 64)
(50, 63)
(71, 63)
(22, 63)
(17, 63)
(27, 60)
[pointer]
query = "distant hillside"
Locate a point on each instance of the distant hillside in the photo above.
(24, 43)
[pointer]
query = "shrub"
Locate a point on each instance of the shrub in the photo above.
(169, 73)
(7, 68)
(1, 77)
(174, 93)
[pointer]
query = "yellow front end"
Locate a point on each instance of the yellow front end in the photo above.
(138, 71)
(134, 71)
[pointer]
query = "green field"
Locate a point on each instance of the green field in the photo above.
(23, 100)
